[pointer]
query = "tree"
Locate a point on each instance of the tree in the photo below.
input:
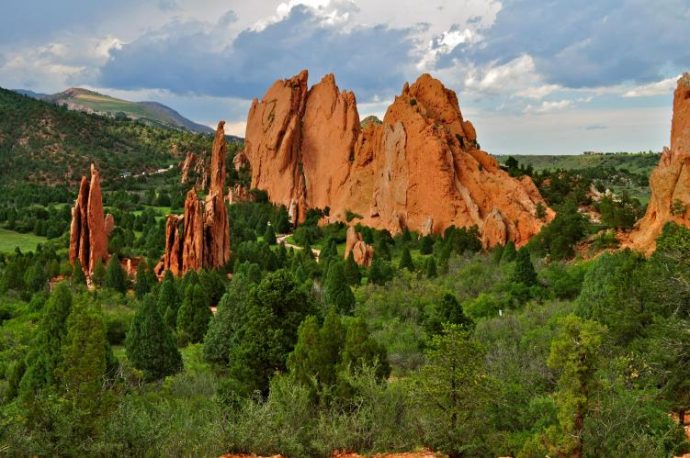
(352, 274)
(115, 275)
(337, 292)
(169, 300)
(452, 391)
(509, 252)
(98, 274)
(46, 353)
(194, 315)
(150, 343)
(431, 271)
(145, 279)
(524, 272)
(380, 271)
(427, 245)
(406, 260)
(447, 311)
(361, 350)
(270, 235)
(83, 366)
(78, 277)
(575, 356)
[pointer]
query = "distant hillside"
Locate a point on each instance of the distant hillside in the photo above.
(93, 102)
(641, 163)
(42, 142)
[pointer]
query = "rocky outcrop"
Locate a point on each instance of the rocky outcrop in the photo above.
(669, 181)
(90, 226)
(193, 166)
(239, 193)
(200, 238)
(420, 168)
(362, 252)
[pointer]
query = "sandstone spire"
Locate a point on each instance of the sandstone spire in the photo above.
(201, 237)
(421, 168)
(670, 180)
(88, 231)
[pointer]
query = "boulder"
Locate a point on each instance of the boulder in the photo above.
(420, 168)
(89, 228)
(362, 252)
(669, 181)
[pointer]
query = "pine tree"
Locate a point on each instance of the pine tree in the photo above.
(193, 316)
(380, 271)
(352, 274)
(83, 367)
(115, 275)
(337, 292)
(360, 350)
(509, 252)
(169, 300)
(270, 235)
(431, 268)
(427, 245)
(524, 269)
(78, 277)
(98, 274)
(46, 353)
(150, 343)
(143, 282)
(406, 260)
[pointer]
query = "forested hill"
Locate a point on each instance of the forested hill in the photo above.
(45, 143)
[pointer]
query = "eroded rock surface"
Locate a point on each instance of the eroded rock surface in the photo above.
(670, 180)
(362, 252)
(420, 168)
(90, 226)
(200, 238)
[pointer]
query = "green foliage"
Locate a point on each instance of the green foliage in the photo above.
(406, 260)
(431, 271)
(524, 272)
(380, 271)
(337, 292)
(145, 279)
(194, 315)
(446, 311)
(78, 277)
(270, 235)
(169, 300)
(559, 237)
(351, 271)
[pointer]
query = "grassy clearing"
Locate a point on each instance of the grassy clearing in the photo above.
(9, 240)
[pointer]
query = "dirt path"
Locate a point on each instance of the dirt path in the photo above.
(281, 238)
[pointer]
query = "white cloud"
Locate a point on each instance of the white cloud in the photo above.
(519, 72)
(548, 107)
(647, 90)
(538, 92)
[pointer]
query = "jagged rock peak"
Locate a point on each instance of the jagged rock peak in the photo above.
(421, 164)
(90, 227)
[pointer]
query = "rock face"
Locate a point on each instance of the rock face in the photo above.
(201, 237)
(670, 180)
(420, 168)
(90, 227)
(362, 252)
(193, 165)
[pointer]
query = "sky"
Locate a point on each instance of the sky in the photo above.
(534, 76)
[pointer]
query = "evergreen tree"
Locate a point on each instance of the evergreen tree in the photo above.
(46, 353)
(381, 248)
(426, 245)
(150, 343)
(351, 269)
(431, 271)
(35, 277)
(524, 272)
(143, 282)
(380, 271)
(270, 235)
(337, 292)
(169, 300)
(406, 260)
(360, 350)
(193, 316)
(98, 274)
(509, 252)
(575, 354)
(115, 275)
(83, 367)
(78, 277)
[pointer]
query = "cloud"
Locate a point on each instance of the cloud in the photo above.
(168, 5)
(588, 44)
(548, 107)
(596, 127)
(185, 57)
(662, 87)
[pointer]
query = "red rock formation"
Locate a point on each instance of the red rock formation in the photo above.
(239, 193)
(421, 168)
(90, 227)
(362, 252)
(201, 237)
(669, 181)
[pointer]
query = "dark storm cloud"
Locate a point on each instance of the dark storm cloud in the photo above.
(184, 58)
(589, 43)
